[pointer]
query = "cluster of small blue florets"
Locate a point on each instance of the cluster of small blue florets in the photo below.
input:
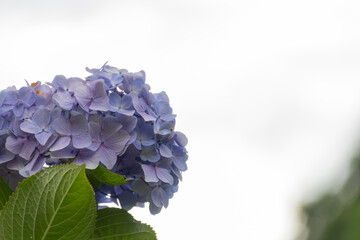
(110, 118)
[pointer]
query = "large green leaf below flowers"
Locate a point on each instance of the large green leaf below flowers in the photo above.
(117, 224)
(5, 193)
(57, 203)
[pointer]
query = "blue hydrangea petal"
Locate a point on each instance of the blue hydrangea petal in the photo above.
(126, 112)
(176, 171)
(149, 153)
(16, 164)
(164, 175)
(61, 143)
(34, 165)
(140, 107)
(162, 108)
(179, 158)
(27, 96)
(64, 100)
(149, 173)
(30, 126)
(83, 95)
(41, 118)
(11, 98)
(14, 144)
(18, 110)
(159, 197)
(107, 157)
(117, 141)
(128, 122)
(82, 140)
(28, 149)
(89, 158)
(165, 151)
(162, 96)
(109, 129)
(181, 139)
(43, 137)
(100, 104)
(68, 152)
(154, 209)
(79, 124)
(163, 128)
(115, 101)
(6, 155)
(62, 126)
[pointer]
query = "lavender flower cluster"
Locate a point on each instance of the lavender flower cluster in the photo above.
(110, 119)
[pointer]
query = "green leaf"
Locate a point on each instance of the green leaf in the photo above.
(57, 203)
(5, 193)
(101, 175)
(117, 224)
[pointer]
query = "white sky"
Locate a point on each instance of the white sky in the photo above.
(266, 91)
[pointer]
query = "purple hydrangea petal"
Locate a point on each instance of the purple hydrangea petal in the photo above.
(16, 164)
(89, 158)
(18, 110)
(30, 126)
(43, 137)
(61, 143)
(27, 96)
(126, 112)
(163, 128)
(137, 144)
(161, 96)
(43, 95)
(11, 98)
(107, 157)
(164, 175)
(179, 158)
(100, 104)
(83, 95)
(149, 173)
(177, 172)
(62, 126)
(68, 152)
(6, 155)
(43, 148)
(35, 165)
(165, 151)
(181, 139)
(12, 178)
(149, 154)
(126, 102)
(159, 197)
(110, 128)
(60, 82)
(128, 122)
(79, 124)
(28, 149)
(114, 100)
(14, 144)
(140, 107)
(154, 209)
(117, 141)
(64, 100)
(82, 140)
(42, 118)
(162, 108)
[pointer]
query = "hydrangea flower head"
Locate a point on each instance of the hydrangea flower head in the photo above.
(111, 119)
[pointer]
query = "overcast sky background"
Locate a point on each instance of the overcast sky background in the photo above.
(266, 91)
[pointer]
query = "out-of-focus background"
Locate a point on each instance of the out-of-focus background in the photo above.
(266, 91)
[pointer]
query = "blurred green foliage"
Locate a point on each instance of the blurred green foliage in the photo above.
(335, 216)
